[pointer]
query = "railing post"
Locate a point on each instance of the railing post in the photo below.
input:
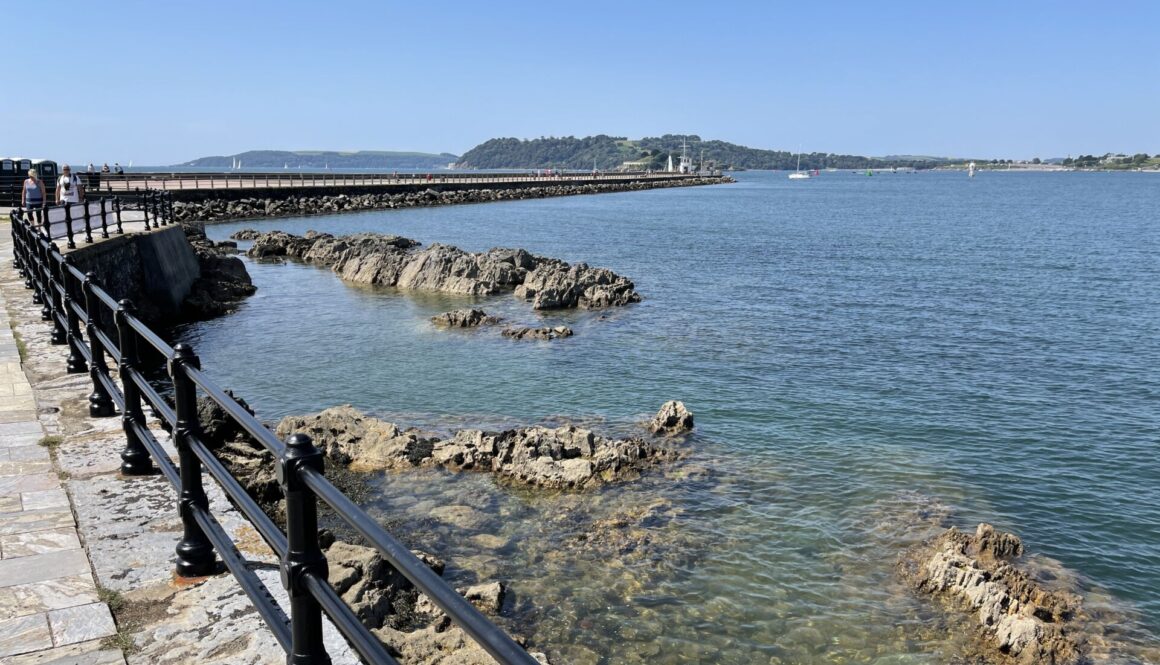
(100, 403)
(117, 210)
(88, 225)
(169, 206)
(304, 555)
(68, 230)
(134, 458)
(195, 557)
(76, 361)
(59, 334)
(40, 291)
(104, 217)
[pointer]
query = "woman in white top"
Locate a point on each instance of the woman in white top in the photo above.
(69, 189)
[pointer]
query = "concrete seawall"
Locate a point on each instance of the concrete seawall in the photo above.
(156, 270)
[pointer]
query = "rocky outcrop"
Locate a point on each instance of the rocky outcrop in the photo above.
(557, 285)
(565, 457)
(546, 333)
(387, 260)
(349, 437)
(464, 318)
(1019, 619)
(673, 418)
(293, 205)
(224, 282)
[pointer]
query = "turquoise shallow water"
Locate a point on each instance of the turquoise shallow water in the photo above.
(852, 348)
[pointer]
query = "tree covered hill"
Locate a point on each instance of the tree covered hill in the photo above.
(608, 152)
(363, 159)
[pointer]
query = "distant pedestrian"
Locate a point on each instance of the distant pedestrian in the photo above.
(117, 168)
(32, 194)
(105, 168)
(92, 169)
(69, 189)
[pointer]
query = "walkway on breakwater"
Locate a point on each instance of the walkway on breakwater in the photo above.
(379, 182)
(50, 608)
(125, 530)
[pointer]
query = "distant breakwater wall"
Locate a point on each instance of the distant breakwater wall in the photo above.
(230, 204)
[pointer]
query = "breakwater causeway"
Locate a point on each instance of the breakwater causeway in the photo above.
(869, 360)
(242, 203)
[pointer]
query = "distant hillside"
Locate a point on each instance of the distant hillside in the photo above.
(608, 152)
(363, 159)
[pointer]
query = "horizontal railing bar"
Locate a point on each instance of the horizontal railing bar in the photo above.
(149, 336)
(347, 623)
(462, 612)
(242, 417)
(259, 595)
(160, 406)
(111, 388)
(104, 297)
(108, 345)
(75, 272)
(86, 352)
(168, 468)
(79, 310)
(264, 525)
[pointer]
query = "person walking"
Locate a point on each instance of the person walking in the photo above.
(69, 189)
(32, 194)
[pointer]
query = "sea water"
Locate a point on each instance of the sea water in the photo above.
(868, 358)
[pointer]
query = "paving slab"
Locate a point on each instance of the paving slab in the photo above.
(25, 634)
(41, 567)
(84, 653)
(82, 623)
(39, 542)
(54, 498)
(54, 594)
(35, 520)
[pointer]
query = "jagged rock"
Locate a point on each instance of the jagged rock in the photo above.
(673, 418)
(349, 437)
(565, 457)
(464, 318)
(368, 258)
(557, 285)
(557, 332)
(224, 282)
(247, 234)
(1018, 618)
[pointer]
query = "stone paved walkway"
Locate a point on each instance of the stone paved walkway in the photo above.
(49, 608)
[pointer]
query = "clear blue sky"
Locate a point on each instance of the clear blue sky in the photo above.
(165, 82)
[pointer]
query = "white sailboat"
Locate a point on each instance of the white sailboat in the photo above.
(799, 174)
(971, 170)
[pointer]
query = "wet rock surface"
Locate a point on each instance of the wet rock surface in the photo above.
(545, 333)
(292, 205)
(224, 281)
(565, 457)
(1019, 620)
(387, 260)
(464, 318)
(673, 418)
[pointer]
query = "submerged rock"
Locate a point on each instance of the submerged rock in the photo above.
(1019, 619)
(546, 333)
(464, 318)
(673, 418)
(369, 258)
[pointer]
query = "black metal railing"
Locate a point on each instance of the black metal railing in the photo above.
(101, 216)
(112, 332)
